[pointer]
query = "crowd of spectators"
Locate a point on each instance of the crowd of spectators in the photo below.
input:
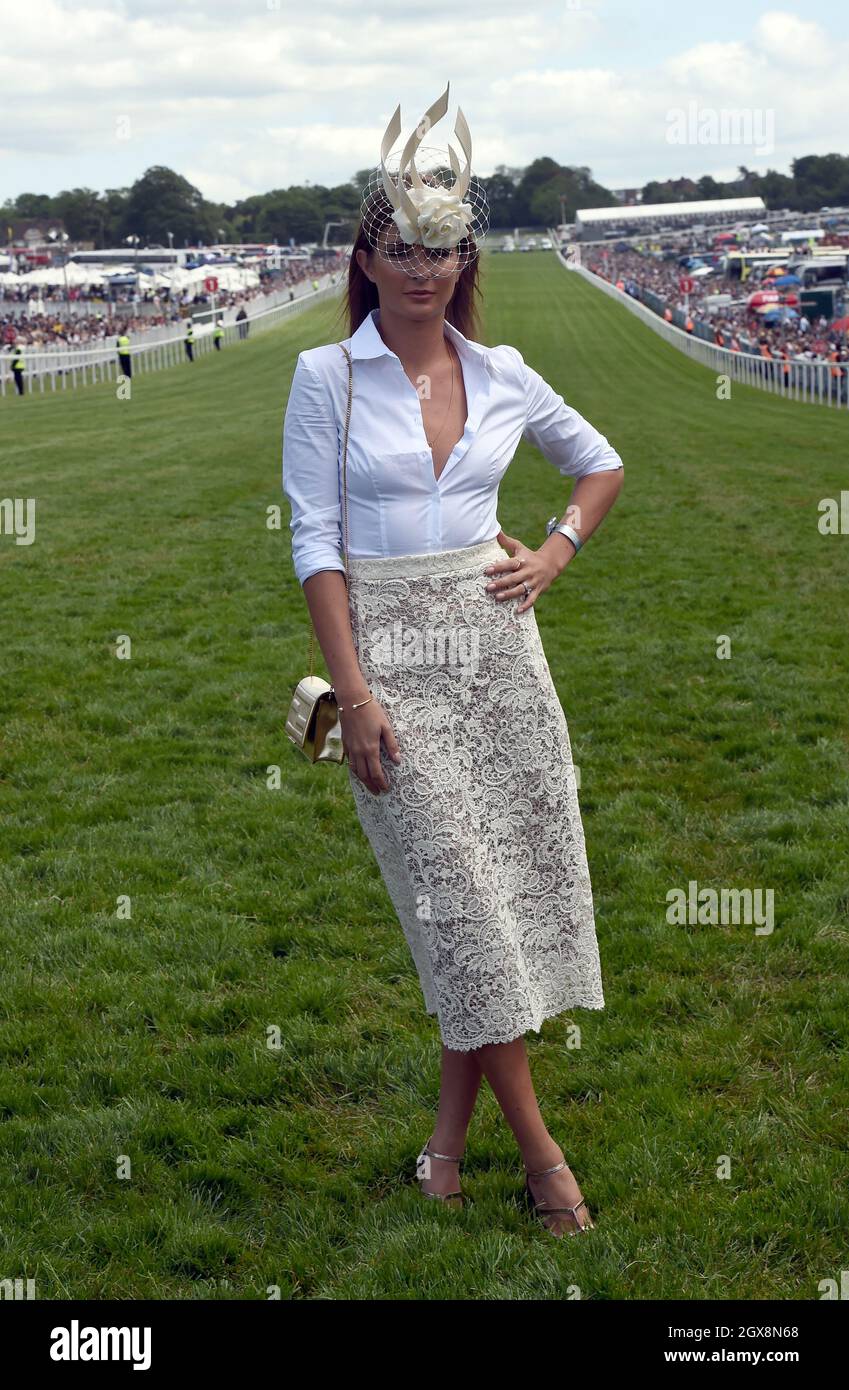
(93, 320)
(734, 325)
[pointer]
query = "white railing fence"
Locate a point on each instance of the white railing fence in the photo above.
(815, 383)
(70, 368)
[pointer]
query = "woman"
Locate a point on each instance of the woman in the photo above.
(458, 749)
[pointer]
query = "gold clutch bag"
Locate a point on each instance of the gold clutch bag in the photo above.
(313, 723)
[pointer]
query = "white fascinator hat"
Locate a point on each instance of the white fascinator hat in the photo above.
(421, 209)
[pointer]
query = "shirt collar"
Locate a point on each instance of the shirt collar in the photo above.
(367, 342)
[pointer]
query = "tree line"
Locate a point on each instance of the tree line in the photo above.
(163, 208)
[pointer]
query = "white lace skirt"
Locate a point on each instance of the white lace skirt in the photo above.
(479, 840)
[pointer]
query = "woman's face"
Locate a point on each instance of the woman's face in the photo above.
(411, 267)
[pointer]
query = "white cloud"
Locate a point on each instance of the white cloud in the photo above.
(726, 70)
(795, 43)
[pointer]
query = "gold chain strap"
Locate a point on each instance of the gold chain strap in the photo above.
(344, 491)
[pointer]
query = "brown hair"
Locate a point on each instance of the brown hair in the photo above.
(361, 295)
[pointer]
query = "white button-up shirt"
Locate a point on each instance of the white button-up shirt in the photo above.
(395, 504)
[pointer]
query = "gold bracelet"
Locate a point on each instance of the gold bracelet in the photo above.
(341, 708)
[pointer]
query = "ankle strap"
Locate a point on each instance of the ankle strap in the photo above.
(544, 1172)
(449, 1158)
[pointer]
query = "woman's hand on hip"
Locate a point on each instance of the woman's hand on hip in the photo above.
(363, 730)
(536, 568)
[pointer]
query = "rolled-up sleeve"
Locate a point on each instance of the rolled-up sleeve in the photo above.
(311, 475)
(566, 439)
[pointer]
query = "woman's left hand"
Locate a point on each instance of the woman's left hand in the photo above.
(536, 568)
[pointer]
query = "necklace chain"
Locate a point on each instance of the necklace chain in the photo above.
(431, 442)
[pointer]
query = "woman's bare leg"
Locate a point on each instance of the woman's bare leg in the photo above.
(505, 1066)
(459, 1086)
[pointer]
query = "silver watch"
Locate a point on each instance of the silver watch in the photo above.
(568, 531)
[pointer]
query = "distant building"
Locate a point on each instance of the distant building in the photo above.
(594, 224)
(28, 240)
(32, 231)
(158, 256)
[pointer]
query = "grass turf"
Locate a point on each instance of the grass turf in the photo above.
(258, 913)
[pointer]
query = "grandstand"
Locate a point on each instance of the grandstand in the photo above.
(161, 256)
(594, 224)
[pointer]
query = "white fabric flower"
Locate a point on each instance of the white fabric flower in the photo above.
(442, 220)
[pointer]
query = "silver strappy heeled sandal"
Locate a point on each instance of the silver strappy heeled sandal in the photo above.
(454, 1199)
(543, 1209)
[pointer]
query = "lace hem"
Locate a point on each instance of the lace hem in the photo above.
(534, 1026)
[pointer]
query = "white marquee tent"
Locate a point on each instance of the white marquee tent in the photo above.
(230, 278)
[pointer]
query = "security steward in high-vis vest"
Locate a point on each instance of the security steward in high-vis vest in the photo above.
(190, 342)
(18, 369)
(785, 366)
(124, 358)
(218, 336)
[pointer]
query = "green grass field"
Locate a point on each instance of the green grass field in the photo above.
(257, 907)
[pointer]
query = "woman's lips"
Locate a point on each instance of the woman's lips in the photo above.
(421, 294)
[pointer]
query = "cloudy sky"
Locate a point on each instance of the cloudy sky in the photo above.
(242, 96)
